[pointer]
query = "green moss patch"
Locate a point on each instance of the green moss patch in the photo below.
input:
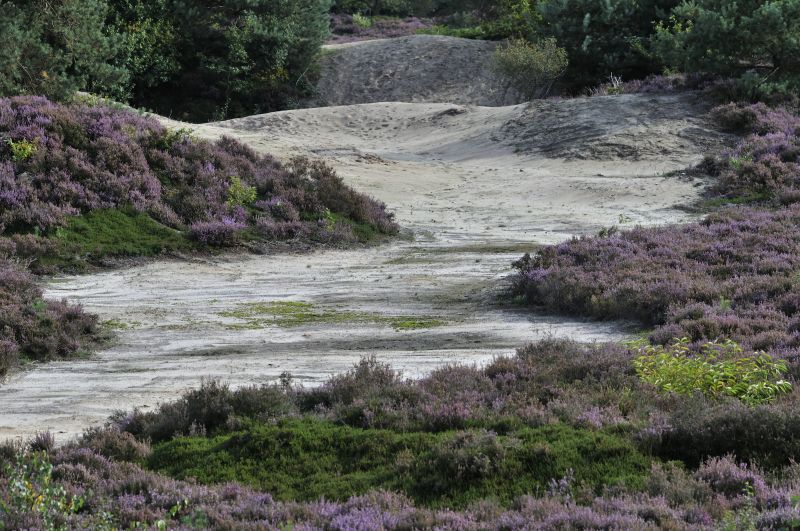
(119, 233)
(299, 313)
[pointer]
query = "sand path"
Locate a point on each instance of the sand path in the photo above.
(477, 186)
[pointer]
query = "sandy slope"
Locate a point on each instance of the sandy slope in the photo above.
(477, 185)
(418, 68)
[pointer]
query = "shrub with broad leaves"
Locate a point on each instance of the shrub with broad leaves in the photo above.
(718, 369)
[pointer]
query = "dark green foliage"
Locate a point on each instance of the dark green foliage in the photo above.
(307, 459)
(238, 57)
(604, 38)
(729, 38)
(54, 48)
(766, 434)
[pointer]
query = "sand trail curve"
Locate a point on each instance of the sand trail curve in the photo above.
(477, 186)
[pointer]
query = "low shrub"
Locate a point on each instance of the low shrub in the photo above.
(94, 161)
(344, 27)
(719, 369)
(699, 429)
(32, 328)
(724, 277)
(303, 460)
(531, 68)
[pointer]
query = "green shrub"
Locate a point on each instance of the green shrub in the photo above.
(239, 58)
(31, 490)
(531, 68)
(730, 38)
(604, 38)
(239, 194)
(114, 232)
(719, 370)
(21, 150)
(362, 21)
(53, 48)
(307, 459)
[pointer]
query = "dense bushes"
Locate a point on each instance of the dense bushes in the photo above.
(238, 58)
(307, 460)
(54, 48)
(729, 39)
(604, 38)
(122, 495)
(121, 172)
(730, 276)
(531, 68)
(530, 471)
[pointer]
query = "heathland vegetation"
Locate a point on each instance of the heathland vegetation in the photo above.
(692, 426)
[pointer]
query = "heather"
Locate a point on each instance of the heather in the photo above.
(346, 28)
(33, 329)
(81, 488)
(589, 457)
(98, 181)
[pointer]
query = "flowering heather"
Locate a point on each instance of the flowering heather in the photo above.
(344, 28)
(765, 165)
(104, 470)
(32, 328)
(732, 275)
(122, 495)
(57, 162)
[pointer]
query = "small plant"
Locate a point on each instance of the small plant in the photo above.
(531, 68)
(21, 150)
(240, 194)
(31, 490)
(362, 21)
(718, 370)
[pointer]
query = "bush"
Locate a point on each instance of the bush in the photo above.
(531, 68)
(720, 278)
(110, 442)
(118, 170)
(720, 369)
(303, 460)
(35, 329)
(698, 430)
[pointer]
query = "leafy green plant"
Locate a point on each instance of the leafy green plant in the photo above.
(720, 369)
(531, 68)
(21, 150)
(31, 489)
(362, 21)
(240, 194)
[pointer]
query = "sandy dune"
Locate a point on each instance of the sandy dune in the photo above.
(418, 68)
(476, 185)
